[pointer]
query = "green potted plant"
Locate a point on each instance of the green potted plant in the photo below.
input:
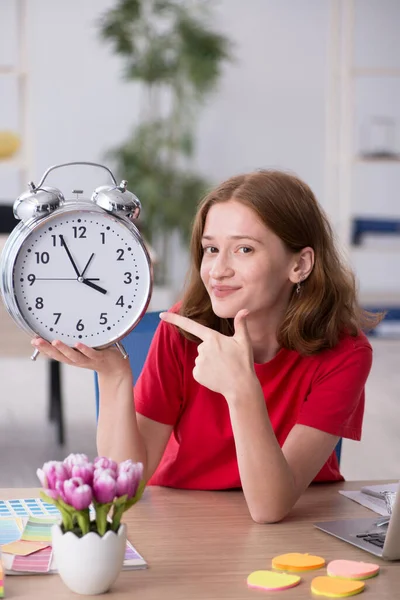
(170, 48)
(91, 498)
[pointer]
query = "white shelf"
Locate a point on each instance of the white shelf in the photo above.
(378, 161)
(8, 70)
(13, 163)
(375, 254)
(23, 158)
(373, 298)
(369, 246)
(375, 72)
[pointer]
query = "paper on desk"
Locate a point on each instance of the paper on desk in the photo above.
(38, 529)
(133, 560)
(38, 562)
(23, 548)
(378, 505)
(380, 489)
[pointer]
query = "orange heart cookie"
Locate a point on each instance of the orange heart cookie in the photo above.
(270, 580)
(336, 588)
(296, 561)
(352, 569)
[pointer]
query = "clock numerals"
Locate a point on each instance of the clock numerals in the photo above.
(57, 239)
(76, 280)
(79, 232)
(42, 257)
(120, 302)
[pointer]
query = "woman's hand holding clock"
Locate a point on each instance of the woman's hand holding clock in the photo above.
(106, 361)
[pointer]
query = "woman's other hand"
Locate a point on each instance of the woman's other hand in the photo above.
(224, 364)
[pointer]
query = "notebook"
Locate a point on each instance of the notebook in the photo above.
(372, 496)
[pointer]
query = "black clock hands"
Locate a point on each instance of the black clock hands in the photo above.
(88, 282)
(87, 264)
(69, 255)
(81, 279)
(64, 279)
(94, 286)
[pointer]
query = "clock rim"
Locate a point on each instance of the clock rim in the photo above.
(24, 230)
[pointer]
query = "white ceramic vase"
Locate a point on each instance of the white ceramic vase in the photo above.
(89, 564)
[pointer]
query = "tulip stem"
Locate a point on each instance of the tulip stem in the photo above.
(102, 511)
(82, 516)
(65, 510)
(116, 518)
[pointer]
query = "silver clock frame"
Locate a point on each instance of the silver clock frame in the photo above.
(113, 209)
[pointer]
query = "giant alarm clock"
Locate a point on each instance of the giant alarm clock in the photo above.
(76, 269)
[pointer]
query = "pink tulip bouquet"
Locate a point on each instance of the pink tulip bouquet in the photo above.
(75, 485)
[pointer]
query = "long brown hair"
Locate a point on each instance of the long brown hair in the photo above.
(327, 305)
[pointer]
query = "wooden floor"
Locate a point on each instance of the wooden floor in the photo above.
(27, 438)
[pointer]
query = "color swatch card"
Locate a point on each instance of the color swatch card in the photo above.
(1, 585)
(23, 548)
(39, 562)
(1, 580)
(29, 521)
(38, 529)
(28, 507)
(133, 560)
(10, 530)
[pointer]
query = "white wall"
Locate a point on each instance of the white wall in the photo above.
(79, 107)
(270, 108)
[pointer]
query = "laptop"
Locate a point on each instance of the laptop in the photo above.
(375, 535)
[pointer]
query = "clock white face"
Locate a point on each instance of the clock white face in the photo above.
(81, 276)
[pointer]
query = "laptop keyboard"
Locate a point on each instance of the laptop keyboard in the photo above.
(377, 539)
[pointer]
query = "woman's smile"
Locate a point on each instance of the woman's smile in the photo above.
(222, 291)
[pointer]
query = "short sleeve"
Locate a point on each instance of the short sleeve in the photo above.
(335, 403)
(158, 392)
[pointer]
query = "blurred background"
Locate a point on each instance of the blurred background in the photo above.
(175, 96)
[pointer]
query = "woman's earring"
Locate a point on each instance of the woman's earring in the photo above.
(298, 285)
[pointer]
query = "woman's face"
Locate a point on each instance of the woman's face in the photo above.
(244, 265)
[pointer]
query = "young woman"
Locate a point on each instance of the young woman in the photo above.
(256, 374)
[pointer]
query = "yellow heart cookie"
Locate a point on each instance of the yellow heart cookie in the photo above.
(296, 561)
(270, 580)
(336, 588)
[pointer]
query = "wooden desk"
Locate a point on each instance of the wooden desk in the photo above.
(202, 545)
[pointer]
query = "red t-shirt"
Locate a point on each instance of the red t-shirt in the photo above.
(324, 391)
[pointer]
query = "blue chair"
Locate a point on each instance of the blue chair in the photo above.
(137, 344)
(338, 449)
